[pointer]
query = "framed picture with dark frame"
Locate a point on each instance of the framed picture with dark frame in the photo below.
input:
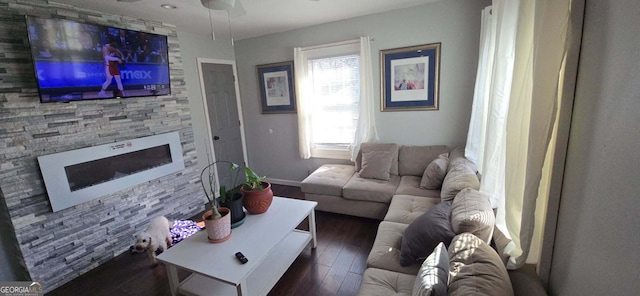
(410, 78)
(277, 91)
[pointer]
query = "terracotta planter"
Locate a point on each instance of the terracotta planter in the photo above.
(237, 211)
(257, 201)
(218, 230)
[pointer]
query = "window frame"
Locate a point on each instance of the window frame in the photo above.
(328, 51)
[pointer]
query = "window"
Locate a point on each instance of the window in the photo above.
(335, 85)
(332, 98)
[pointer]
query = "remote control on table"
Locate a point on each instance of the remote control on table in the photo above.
(241, 258)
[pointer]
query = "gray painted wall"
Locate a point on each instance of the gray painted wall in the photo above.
(456, 24)
(598, 230)
(192, 47)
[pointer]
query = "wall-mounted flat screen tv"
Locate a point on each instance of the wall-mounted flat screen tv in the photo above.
(77, 61)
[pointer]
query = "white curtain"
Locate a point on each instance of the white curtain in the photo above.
(504, 24)
(474, 149)
(540, 99)
(521, 109)
(304, 108)
(366, 130)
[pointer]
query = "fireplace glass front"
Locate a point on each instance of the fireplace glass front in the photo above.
(102, 170)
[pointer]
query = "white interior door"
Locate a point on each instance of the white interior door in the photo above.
(223, 115)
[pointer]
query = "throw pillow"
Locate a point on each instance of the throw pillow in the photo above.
(435, 172)
(425, 232)
(391, 147)
(461, 174)
(471, 211)
(456, 154)
(476, 269)
(376, 165)
(433, 276)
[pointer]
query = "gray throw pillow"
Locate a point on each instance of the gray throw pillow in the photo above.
(471, 212)
(433, 276)
(476, 269)
(461, 174)
(456, 153)
(376, 165)
(435, 172)
(391, 147)
(425, 233)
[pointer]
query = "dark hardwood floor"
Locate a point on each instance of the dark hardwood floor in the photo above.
(335, 267)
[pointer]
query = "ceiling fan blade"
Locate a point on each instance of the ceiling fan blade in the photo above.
(237, 10)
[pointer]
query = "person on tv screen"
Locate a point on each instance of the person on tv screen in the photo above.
(126, 44)
(112, 57)
(143, 51)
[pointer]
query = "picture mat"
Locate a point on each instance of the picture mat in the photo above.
(404, 95)
(277, 88)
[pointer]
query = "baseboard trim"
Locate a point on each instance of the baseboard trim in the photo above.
(283, 182)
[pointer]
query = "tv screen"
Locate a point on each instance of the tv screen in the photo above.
(77, 61)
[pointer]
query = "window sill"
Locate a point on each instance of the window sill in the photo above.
(331, 153)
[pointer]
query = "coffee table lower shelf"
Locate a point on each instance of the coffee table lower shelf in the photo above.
(262, 279)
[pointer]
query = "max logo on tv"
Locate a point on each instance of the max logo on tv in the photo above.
(138, 74)
(120, 146)
(126, 74)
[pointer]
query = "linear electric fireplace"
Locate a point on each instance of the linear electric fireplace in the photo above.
(78, 176)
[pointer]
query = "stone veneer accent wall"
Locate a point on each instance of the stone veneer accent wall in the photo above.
(57, 247)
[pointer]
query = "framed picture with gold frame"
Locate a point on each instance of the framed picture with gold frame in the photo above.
(410, 78)
(277, 92)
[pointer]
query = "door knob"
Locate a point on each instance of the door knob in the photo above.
(215, 138)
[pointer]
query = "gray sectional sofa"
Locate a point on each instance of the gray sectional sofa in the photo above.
(424, 195)
(341, 189)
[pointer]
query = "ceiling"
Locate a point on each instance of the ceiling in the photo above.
(262, 16)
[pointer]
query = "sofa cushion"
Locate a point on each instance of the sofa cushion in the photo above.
(460, 175)
(476, 269)
(433, 276)
(370, 189)
(328, 179)
(435, 172)
(341, 205)
(457, 154)
(385, 253)
(406, 208)
(376, 164)
(413, 160)
(380, 282)
(525, 281)
(471, 212)
(391, 147)
(410, 185)
(425, 233)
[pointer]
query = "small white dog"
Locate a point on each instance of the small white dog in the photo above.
(156, 236)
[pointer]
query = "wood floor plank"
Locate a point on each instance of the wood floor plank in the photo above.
(350, 285)
(310, 284)
(360, 261)
(339, 270)
(335, 267)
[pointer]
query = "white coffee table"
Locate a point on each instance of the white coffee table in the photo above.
(270, 242)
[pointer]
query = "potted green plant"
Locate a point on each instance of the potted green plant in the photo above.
(232, 199)
(217, 221)
(257, 194)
